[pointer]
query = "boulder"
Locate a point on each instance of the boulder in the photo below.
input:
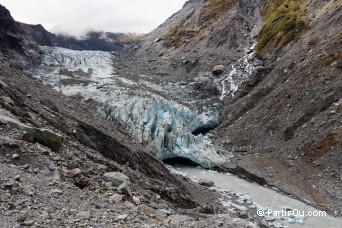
(83, 215)
(218, 69)
(116, 198)
(45, 137)
(116, 178)
(35, 135)
(146, 209)
(206, 182)
(178, 219)
(124, 188)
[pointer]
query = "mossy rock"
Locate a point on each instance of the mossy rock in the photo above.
(46, 138)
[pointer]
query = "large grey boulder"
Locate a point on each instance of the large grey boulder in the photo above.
(42, 136)
(206, 182)
(218, 69)
(116, 178)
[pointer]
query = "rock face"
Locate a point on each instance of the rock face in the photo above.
(8, 29)
(15, 42)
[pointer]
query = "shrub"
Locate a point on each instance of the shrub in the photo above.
(283, 22)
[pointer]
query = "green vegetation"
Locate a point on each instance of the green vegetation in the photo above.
(129, 37)
(214, 9)
(327, 60)
(179, 33)
(283, 22)
(334, 56)
(211, 12)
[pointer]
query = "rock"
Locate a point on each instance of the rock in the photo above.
(277, 225)
(22, 217)
(125, 189)
(146, 209)
(117, 198)
(129, 205)
(270, 218)
(115, 178)
(136, 200)
(8, 185)
(291, 220)
(17, 177)
(242, 214)
(35, 135)
(15, 156)
(45, 137)
(300, 220)
(287, 208)
(13, 143)
(206, 182)
(28, 223)
(218, 69)
(178, 219)
(56, 191)
(121, 217)
(260, 69)
(263, 224)
(102, 167)
(83, 215)
(158, 40)
(74, 173)
(36, 170)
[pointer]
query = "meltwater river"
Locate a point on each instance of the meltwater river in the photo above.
(265, 199)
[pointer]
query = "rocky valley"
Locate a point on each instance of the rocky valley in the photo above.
(251, 88)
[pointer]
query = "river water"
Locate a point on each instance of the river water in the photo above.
(265, 199)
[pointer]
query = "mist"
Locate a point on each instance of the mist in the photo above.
(77, 17)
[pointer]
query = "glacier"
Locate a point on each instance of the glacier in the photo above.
(155, 113)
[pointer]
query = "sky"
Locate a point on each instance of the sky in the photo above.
(76, 17)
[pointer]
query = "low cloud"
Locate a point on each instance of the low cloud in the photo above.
(76, 17)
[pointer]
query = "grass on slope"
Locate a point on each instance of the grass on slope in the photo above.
(214, 9)
(283, 22)
(183, 31)
(179, 33)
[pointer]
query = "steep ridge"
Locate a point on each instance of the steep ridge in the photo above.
(292, 114)
(14, 42)
(281, 97)
(98, 41)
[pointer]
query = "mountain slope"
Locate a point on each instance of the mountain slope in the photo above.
(283, 123)
(102, 41)
(291, 116)
(56, 149)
